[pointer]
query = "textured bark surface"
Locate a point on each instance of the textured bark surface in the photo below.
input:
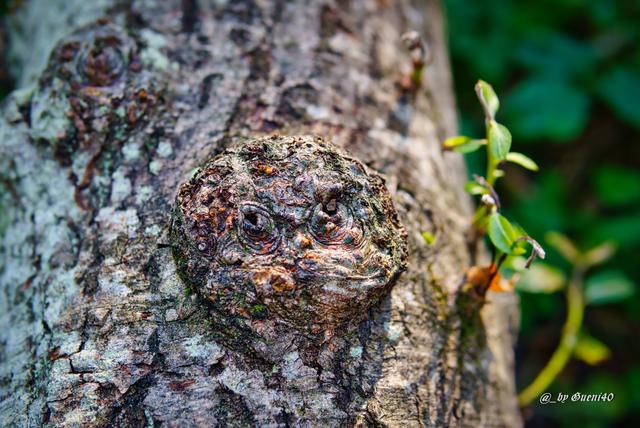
(118, 103)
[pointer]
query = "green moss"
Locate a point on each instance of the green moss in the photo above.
(258, 308)
(258, 311)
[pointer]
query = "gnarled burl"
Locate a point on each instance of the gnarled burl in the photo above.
(290, 230)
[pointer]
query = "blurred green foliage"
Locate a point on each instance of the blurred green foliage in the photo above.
(568, 72)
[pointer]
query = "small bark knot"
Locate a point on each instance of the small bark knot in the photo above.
(94, 91)
(291, 230)
(96, 56)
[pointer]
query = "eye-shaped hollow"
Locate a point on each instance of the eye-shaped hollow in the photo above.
(332, 224)
(102, 64)
(257, 229)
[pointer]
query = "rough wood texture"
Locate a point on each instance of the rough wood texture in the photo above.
(97, 327)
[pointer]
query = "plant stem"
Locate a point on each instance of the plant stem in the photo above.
(491, 167)
(564, 351)
(479, 216)
(491, 162)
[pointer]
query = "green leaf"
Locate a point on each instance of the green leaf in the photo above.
(470, 146)
(429, 238)
(499, 140)
(600, 254)
(475, 188)
(620, 88)
(547, 108)
(487, 97)
(463, 144)
(617, 186)
(591, 350)
(522, 160)
(502, 233)
(541, 278)
(563, 245)
(456, 141)
(608, 287)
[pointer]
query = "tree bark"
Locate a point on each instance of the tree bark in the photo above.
(117, 103)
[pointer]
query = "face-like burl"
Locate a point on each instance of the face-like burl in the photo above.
(288, 228)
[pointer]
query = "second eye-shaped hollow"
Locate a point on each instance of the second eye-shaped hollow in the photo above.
(331, 223)
(257, 229)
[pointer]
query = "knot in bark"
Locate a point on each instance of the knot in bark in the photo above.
(288, 229)
(94, 91)
(102, 62)
(99, 56)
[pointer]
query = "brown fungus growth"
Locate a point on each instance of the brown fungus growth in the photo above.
(290, 229)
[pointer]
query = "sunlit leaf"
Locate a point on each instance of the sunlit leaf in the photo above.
(591, 350)
(458, 140)
(608, 287)
(502, 233)
(522, 160)
(541, 278)
(429, 238)
(471, 146)
(599, 254)
(518, 250)
(487, 97)
(499, 140)
(516, 263)
(462, 144)
(475, 188)
(519, 244)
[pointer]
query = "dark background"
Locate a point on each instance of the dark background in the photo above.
(568, 76)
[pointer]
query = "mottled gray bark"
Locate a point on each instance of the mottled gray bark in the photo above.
(118, 103)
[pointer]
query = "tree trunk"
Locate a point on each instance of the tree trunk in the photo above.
(118, 102)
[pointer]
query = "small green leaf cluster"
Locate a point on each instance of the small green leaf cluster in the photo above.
(498, 138)
(508, 239)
